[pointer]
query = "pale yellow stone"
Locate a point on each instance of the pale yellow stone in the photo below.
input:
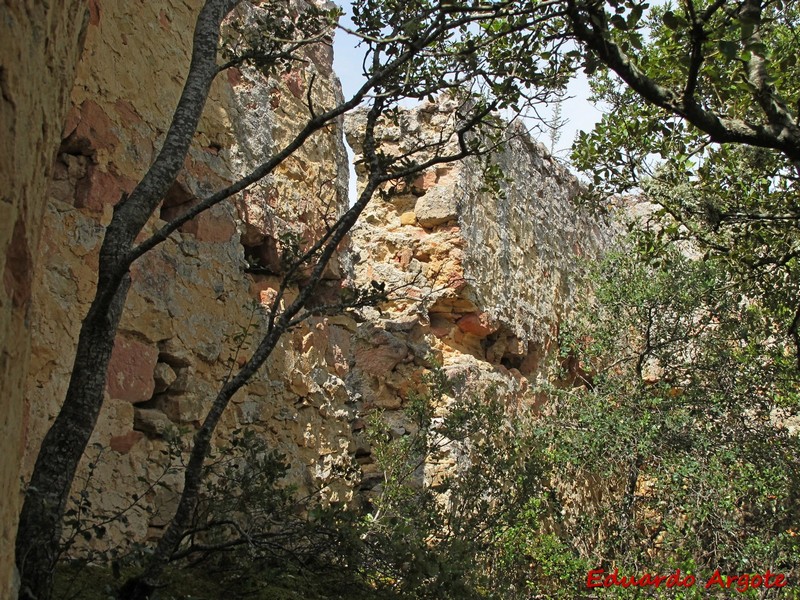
(408, 218)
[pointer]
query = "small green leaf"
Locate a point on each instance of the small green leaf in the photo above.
(620, 23)
(635, 15)
(728, 49)
(670, 20)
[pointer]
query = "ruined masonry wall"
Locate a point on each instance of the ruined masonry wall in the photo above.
(488, 279)
(490, 275)
(485, 279)
(191, 296)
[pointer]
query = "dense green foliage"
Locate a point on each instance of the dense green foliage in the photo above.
(702, 119)
(693, 335)
(683, 425)
(511, 52)
(456, 492)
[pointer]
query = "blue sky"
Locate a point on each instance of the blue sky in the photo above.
(579, 113)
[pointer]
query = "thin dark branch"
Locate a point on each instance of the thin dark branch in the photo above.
(589, 25)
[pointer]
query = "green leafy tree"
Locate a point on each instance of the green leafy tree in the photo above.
(685, 428)
(459, 510)
(697, 362)
(701, 117)
(725, 70)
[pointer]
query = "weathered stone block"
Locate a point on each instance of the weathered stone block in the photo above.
(173, 353)
(380, 352)
(438, 206)
(477, 324)
(408, 218)
(183, 408)
(249, 411)
(151, 421)
(94, 127)
(164, 376)
(124, 443)
(99, 188)
(424, 181)
(130, 371)
(211, 226)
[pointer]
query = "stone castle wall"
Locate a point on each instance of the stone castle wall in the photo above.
(487, 278)
(484, 277)
(192, 295)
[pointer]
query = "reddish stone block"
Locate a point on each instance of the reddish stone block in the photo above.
(208, 227)
(72, 120)
(124, 443)
(530, 364)
(456, 282)
(164, 21)
(424, 182)
(294, 81)
(94, 13)
(177, 201)
(381, 353)
(403, 257)
(130, 371)
(127, 112)
(234, 76)
(99, 188)
(441, 325)
(95, 126)
(477, 324)
(267, 297)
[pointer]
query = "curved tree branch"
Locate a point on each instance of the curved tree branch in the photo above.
(589, 26)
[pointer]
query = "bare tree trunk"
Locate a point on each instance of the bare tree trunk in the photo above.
(39, 530)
